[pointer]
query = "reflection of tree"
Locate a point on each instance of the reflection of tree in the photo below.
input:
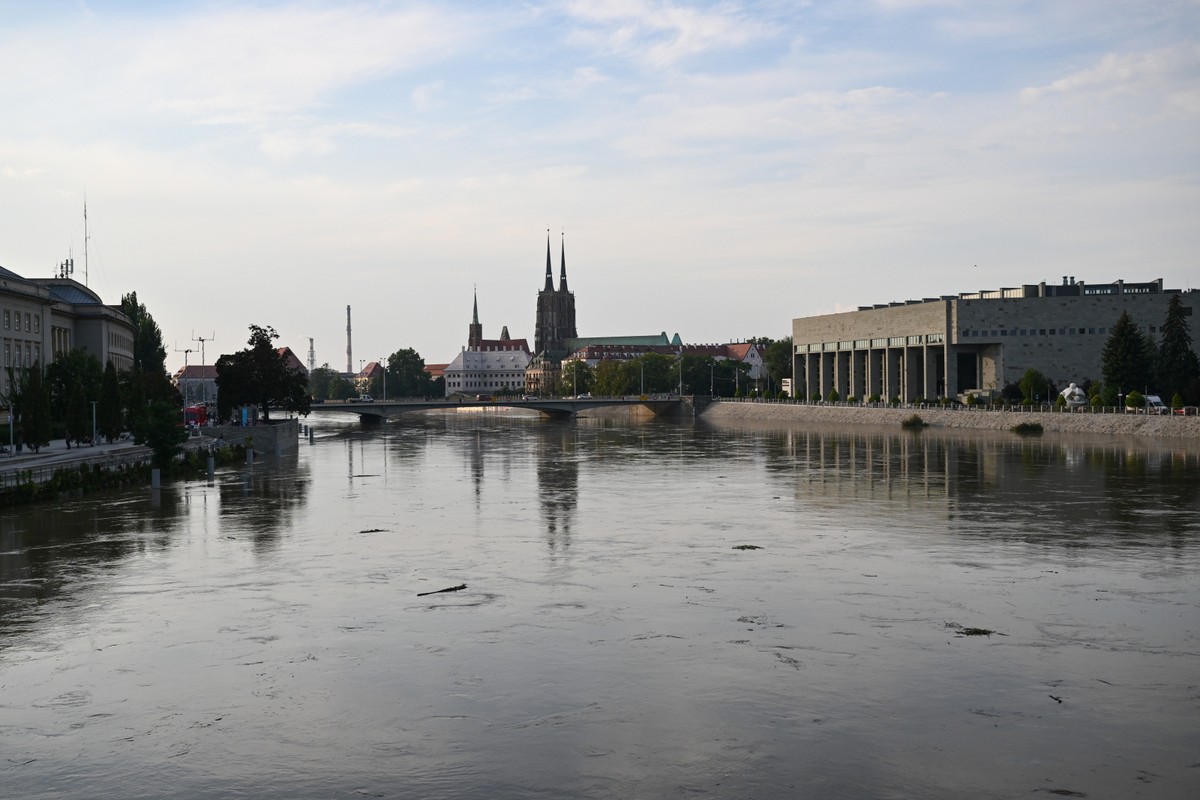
(44, 549)
(558, 484)
(264, 501)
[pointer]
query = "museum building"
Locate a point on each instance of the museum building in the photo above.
(972, 343)
(45, 317)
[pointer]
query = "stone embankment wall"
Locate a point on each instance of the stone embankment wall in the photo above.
(1067, 422)
(281, 437)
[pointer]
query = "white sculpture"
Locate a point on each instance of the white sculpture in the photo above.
(1074, 396)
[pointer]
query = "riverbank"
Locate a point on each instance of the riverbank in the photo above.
(1163, 426)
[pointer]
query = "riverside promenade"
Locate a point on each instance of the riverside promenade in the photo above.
(1113, 423)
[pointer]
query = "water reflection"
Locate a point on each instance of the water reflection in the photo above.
(558, 483)
(612, 639)
(1047, 490)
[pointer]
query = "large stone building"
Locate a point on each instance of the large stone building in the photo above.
(487, 366)
(972, 342)
(45, 317)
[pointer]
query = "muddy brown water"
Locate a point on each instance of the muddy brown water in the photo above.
(263, 636)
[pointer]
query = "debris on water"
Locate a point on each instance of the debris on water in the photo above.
(961, 631)
(458, 588)
(746, 547)
(374, 530)
(1054, 698)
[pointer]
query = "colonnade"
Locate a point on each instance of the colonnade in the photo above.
(906, 371)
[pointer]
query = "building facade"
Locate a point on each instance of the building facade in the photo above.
(45, 317)
(975, 342)
(487, 366)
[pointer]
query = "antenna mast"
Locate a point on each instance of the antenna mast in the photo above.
(202, 340)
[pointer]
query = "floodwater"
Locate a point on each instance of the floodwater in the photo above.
(264, 636)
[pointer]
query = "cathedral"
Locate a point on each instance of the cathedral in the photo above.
(553, 328)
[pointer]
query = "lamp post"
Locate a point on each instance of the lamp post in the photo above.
(93, 423)
(712, 379)
(384, 383)
(642, 364)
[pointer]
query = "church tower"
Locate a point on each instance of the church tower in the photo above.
(555, 310)
(475, 330)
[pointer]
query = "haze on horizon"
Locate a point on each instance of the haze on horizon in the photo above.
(717, 168)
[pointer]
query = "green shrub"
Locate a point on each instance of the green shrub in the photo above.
(1135, 399)
(913, 423)
(1028, 429)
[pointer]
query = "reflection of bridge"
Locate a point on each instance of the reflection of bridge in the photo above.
(564, 407)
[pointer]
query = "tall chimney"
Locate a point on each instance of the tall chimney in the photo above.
(349, 350)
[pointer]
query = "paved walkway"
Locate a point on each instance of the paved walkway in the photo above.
(56, 454)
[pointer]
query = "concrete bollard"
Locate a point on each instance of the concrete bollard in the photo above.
(212, 466)
(155, 478)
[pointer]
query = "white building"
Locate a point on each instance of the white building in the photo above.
(487, 366)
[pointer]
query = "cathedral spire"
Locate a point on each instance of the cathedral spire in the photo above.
(475, 330)
(549, 274)
(562, 280)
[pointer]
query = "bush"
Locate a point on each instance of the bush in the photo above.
(895, 400)
(816, 397)
(1097, 401)
(834, 396)
(972, 399)
(1177, 400)
(913, 423)
(873, 398)
(851, 399)
(1028, 429)
(1135, 399)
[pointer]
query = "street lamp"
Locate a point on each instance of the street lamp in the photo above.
(384, 383)
(93, 423)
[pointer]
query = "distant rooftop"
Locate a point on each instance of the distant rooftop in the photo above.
(1068, 288)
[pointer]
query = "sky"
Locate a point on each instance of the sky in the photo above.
(713, 168)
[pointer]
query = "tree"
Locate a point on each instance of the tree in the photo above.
(76, 418)
(158, 427)
(778, 359)
(321, 380)
(1034, 385)
(260, 375)
(70, 373)
(576, 378)
(149, 353)
(1128, 355)
(1177, 364)
(32, 403)
(108, 409)
(406, 375)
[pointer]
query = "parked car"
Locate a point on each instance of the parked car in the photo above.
(362, 398)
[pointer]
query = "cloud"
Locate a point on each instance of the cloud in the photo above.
(660, 33)
(1130, 72)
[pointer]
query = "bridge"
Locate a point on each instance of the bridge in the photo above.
(557, 407)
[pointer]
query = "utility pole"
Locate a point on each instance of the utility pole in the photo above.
(202, 340)
(183, 378)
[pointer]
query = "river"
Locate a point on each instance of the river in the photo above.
(651, 609)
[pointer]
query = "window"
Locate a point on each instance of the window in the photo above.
(37, 324)
(28, 323)
(1041, 331)
(7, 321)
